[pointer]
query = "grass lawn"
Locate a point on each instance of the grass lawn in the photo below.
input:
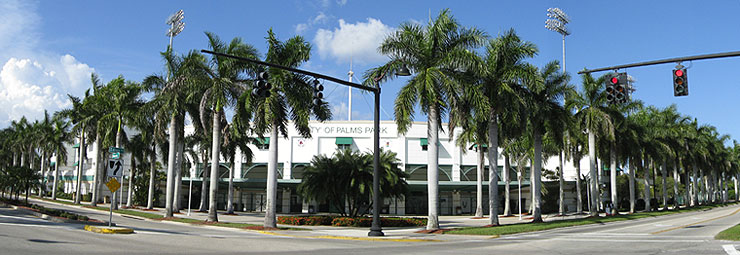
(732, 234)
(530, 227)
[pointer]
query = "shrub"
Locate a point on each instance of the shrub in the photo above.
(350, 221)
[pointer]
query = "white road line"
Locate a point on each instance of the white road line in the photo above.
(21, 218)
(627, 240)
(35, 225)
(730, 249)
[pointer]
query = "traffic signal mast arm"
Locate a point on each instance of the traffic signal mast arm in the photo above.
(664, 61)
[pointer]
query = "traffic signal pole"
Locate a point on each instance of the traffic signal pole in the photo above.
(664, 61)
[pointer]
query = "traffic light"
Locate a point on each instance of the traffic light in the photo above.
(680, 83)
(262, 86)
(317, 92)
(620, 88)
(616, 88)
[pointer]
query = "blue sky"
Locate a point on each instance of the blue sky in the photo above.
(49, 48)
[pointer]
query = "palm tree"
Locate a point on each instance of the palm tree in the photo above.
(46, 129)
(592, 114)
(289, 98)
(226, 82)
(546, 114)
(56, 141)
(82, 118)
(235, 140)
(437, 53)
(173, 94)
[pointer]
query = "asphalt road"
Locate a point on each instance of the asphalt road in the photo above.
(686, 233)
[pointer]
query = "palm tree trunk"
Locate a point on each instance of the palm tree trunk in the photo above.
(96, 178)
(695, 186)
(56, 177)
(42, 188)
(664, 174)
(204, 183)
(272, 163)
(479, 181)
(646, 168)
(632, 186)
(230, 196)
(676, 178)
(613, 178)
(579, 198)
(492, 168)
(152, 174)
(171, 167)
(561, 183)
(78, 189)
(215, 151)
(737, 195)
(592, 172)
(180, 158)
(507, 188)
(537, 180)
(130, 194)
(433, 168)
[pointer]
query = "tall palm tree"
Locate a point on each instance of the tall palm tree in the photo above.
(226, 82)
(59, 137)
(546, 113)
(592, 114)
(46, 128)
(173, 92)
(289, 99)
(436, 53)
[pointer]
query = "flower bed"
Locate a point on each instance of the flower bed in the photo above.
(350, 222)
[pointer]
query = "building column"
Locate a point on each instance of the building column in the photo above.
(456, 202)
(457, 156)
(286, 200)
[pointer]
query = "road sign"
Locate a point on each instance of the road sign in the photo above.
(115, 155)
(115, 149)
(113, 185)
(114, 167)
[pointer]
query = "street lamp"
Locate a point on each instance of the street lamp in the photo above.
(375, 229)
(557, 21)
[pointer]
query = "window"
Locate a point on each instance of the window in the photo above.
(424, 144)
(263, 144)
(343, 143)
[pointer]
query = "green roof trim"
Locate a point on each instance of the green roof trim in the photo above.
(263, 141)
(77, 145)
(343, 141)
(424, 141)
(484, 146)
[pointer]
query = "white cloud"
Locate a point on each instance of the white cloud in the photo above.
(358, 41)
(341, 2)
(31, 79)
(320, 18)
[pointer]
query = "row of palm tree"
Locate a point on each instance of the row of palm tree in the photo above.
(493, 94)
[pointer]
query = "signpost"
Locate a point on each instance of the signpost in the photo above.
(114, 169)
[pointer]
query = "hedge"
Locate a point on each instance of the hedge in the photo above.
(350, 222)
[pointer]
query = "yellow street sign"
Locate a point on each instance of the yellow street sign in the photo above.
(113, 184)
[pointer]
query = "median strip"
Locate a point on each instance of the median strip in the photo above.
(376, 239)
(109, 230)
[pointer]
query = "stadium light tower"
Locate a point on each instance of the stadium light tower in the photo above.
(176, 25)
(556, 22)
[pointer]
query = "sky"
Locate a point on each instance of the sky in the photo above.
(48, 49)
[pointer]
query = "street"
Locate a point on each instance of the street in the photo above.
(685, 233)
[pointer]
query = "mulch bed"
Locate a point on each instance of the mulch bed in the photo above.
(433, 231)
(261, 228)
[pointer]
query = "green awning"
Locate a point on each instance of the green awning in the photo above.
(263, 141)
(476, 146)
(344, 141)
(424, 141)
(76, 146)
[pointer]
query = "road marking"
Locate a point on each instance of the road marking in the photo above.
(730, 249)
(35, 225)
(627, 240)
(21, 218)
(695, 223)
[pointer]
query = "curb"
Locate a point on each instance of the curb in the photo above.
(109, 230)
(377, 239)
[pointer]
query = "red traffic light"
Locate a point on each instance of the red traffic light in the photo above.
(614, 80)
(679, 72)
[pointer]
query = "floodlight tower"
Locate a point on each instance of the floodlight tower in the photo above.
(176, 25)
(556, 22)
